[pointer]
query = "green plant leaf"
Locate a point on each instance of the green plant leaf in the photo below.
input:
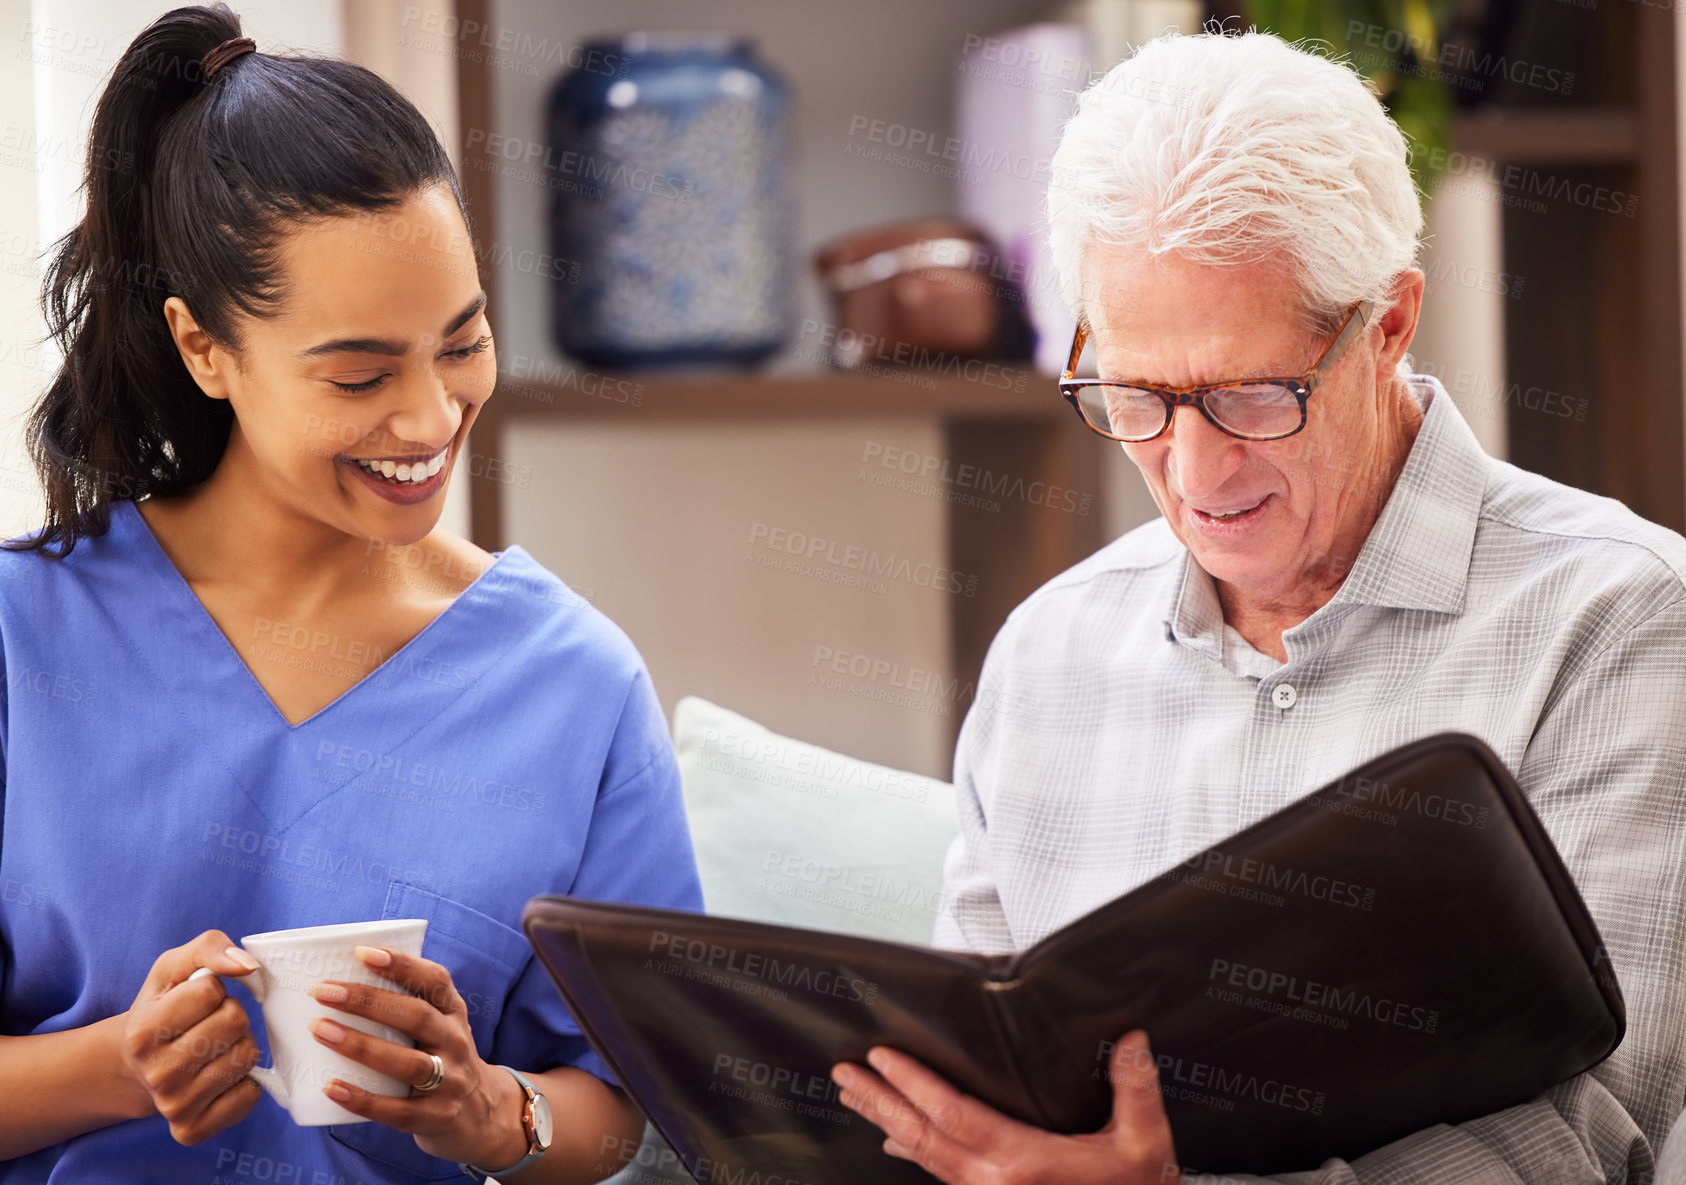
(1405, 77)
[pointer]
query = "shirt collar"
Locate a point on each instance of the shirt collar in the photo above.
(1417, 553)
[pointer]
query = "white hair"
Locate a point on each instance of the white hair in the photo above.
(1228, 149)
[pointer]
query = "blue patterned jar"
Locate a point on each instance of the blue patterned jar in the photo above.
(669, 188)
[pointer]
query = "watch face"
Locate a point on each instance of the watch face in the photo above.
(541, 1120)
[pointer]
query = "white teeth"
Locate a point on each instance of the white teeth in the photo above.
(1229, 513)
(406, 472)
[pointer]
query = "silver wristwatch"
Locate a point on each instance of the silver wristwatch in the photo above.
(535, 1121)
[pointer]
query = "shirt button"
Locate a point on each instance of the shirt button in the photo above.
(1284, 696)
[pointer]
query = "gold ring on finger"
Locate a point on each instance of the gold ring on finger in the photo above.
(435, 1078)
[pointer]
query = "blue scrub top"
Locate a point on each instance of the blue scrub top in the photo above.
(152, 791)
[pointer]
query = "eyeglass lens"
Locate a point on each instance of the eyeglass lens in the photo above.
(1252, 409)
(1249, 409)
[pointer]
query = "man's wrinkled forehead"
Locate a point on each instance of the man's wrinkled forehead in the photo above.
(1166, 321)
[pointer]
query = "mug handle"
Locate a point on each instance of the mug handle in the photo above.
(265, 1076)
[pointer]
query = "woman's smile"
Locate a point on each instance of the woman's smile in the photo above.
(404, 482)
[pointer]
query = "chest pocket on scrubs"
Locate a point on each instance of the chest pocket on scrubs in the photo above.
(484, 957)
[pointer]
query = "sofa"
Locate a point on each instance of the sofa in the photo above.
(791, 833)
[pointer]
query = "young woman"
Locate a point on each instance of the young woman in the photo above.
(251, 686)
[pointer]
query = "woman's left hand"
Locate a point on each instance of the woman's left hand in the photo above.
(473, 1115)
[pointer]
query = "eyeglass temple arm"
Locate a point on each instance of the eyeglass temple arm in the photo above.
(1348, 334)
(1077, 341)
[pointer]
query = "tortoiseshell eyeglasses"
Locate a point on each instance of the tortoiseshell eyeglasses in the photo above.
(1249, 409)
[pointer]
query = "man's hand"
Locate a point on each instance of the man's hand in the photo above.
(963, 1141)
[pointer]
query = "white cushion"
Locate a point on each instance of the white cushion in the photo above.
(1671, 1161)
(791, 833)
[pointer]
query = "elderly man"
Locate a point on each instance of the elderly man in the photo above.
(1339, 569)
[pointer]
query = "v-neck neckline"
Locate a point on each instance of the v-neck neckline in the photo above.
(369, 676)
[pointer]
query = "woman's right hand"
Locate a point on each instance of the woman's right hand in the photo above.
(188, 1044)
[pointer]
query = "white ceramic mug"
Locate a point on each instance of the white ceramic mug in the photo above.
(291, 961)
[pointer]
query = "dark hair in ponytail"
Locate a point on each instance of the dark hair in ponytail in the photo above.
(191, 185)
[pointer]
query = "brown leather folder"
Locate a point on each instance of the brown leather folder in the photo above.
(1399, 949)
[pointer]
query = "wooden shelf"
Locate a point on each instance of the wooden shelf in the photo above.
(1031, 433)
(1584, 136)
(798, 395)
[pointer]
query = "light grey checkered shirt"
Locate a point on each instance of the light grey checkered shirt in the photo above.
(1121, 727)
